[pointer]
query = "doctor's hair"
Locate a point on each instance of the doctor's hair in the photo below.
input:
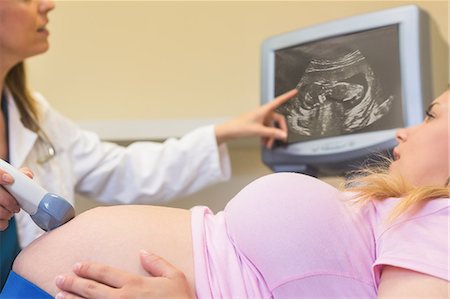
(16, 83)
(376, 183)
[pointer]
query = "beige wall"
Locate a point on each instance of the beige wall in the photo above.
(122, 60)
(172, 59)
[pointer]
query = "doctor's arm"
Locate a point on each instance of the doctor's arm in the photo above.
(195, 159)
(92, 280)
(403, 283)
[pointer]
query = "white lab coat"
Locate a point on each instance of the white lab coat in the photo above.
(143, 172)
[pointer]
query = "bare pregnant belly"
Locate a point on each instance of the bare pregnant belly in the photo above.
(111, 235)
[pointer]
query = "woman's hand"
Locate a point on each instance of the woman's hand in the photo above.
(100, 281)
(263, 122)
(8, 204)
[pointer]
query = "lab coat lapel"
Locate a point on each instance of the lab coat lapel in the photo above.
(21, 139)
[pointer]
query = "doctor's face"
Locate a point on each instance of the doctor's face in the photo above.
(422, 155)
(23, 30)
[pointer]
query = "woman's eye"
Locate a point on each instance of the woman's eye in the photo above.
(429, 115)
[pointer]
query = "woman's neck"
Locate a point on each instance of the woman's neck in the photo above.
(3, 133)
(1, 92)
(5, 66)
(2, 80)
(4, 69)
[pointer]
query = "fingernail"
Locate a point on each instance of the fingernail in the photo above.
(59, 281)
(282, 135)
(60, 295)
(7, 178)
(144, 252)
(76, 267)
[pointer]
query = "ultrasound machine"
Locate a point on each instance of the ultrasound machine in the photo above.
(359, 79)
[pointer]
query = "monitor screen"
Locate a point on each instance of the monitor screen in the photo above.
(359, 79)
(346, 84)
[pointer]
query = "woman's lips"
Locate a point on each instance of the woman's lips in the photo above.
(396, 154)
(43, 30)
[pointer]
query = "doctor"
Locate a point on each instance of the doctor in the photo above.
(67, 160)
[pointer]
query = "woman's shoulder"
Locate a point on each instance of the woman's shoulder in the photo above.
(50, 119)
(40, 99)
(416, 240)
(438, 206)
(43, 106)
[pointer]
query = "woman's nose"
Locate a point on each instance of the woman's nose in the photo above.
(46, 6)
(400, 135)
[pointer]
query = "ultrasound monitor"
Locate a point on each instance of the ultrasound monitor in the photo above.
(359, 79)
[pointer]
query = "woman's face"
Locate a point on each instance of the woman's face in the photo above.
(422, 156)
(23, 30)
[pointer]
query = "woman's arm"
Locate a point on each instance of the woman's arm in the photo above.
(403, 283)
(93, 280)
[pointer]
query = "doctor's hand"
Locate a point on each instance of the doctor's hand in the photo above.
(93, 280)
(262, 122)
(8, 204)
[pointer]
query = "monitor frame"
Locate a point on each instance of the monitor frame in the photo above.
(337, 155)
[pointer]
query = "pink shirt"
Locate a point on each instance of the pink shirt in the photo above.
(292, 236)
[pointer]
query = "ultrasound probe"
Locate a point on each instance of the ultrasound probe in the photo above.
(46, 209)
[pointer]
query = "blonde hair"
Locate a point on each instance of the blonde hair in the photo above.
(376, 183)
(16, 83)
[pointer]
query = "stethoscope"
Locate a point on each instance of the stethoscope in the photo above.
(49, 150)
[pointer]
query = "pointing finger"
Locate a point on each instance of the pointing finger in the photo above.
(278, 101)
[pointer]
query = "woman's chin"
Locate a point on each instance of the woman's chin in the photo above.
(41, 49)
(393, 168)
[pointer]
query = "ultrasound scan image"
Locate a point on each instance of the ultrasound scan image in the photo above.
(342, 87)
